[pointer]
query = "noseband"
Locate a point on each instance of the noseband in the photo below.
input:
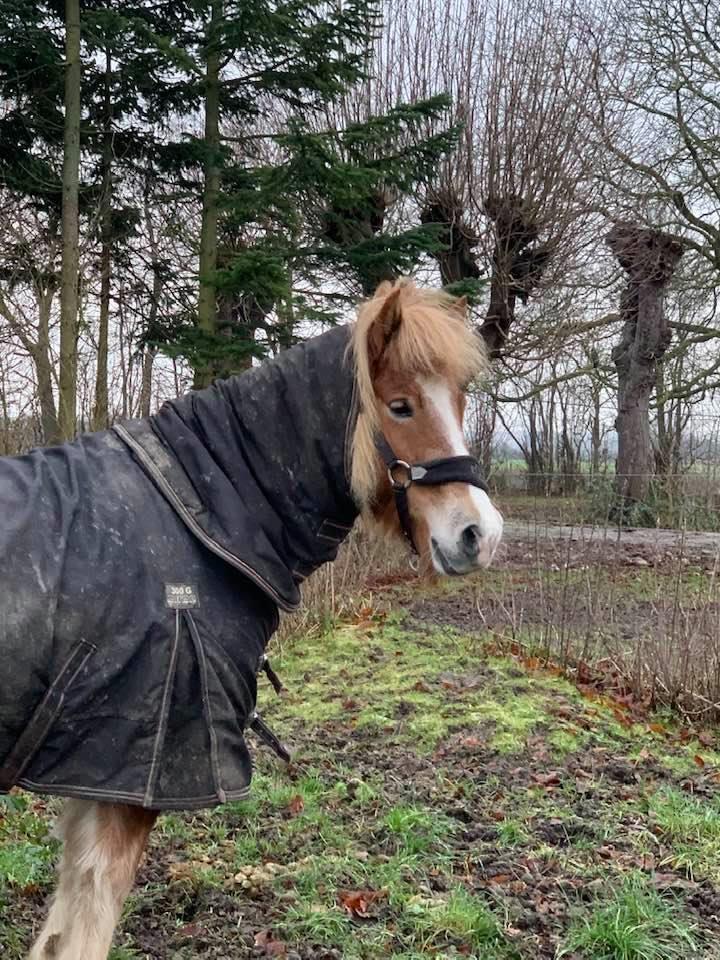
(427, 473)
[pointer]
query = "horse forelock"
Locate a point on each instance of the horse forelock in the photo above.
(432, 339)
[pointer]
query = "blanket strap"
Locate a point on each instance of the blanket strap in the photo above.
(258, 725)
(274, 679)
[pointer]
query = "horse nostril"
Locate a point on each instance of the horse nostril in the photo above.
(471, 537)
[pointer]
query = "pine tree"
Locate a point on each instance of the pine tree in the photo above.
(286, 211)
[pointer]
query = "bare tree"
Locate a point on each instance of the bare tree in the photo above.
(516, 198)
(659, 73)
(649, 259)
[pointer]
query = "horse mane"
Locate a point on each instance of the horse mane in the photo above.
(432, 339)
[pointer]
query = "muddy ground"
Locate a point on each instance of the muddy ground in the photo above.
(451, 794)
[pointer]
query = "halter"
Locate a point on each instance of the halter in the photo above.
(427, 473)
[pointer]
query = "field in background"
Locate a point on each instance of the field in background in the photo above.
(689, 500)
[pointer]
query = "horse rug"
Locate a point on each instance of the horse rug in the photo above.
(142, 573)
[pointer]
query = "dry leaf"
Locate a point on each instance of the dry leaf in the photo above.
(551, 779)
(296, 805)
(500, 879)
(357, 902)
(270, 946)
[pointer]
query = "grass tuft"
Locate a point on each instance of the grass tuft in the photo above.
(635, 923)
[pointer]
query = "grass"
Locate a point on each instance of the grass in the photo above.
(27, 851)
(633, 923)
(457, 918)
(461, 790)
(691, 828)
(416, 831)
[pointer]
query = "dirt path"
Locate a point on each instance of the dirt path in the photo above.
(657, 539)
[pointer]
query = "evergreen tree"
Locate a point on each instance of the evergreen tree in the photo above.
(286, 210)
(212, 111)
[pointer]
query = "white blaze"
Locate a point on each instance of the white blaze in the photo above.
(448, 522)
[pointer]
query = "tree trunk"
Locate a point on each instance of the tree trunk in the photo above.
(595, 440)
(149, 352)
(519, 260)
(649, 258)
(100, 412)
(70, 224)
(146, 382)
(207, 301)
(501, 309)
(43, 368)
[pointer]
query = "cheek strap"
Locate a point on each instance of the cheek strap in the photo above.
(426, 473)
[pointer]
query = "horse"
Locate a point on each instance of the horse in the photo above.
(145, 566)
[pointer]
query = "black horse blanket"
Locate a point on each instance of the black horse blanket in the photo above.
(141, 573)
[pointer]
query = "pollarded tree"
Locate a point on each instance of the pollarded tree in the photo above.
(649, 259)
(515, 199)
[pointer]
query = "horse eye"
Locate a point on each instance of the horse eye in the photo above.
(400, 409)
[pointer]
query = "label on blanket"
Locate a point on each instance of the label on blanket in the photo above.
(179, 596)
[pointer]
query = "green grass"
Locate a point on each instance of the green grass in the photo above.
(415, 831)
(405, 740)
(27, 851)
(691, 829)
(633, 923)
(459, 918)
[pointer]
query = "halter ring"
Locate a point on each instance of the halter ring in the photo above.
(400, 484)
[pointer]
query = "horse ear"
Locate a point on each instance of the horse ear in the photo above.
(385, 326)
(383, 289)
(460, 307)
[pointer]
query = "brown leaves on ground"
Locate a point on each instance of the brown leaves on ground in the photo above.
(269, 945)
(547, 780)
(295, 806)
(358, 902)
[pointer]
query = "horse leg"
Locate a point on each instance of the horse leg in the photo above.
(103, 844)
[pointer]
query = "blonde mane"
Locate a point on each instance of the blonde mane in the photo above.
(432, 339)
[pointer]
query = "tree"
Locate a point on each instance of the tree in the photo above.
(38, 176)
(514, 200)
(649, 259)
(659, 79)
(287, 207)
(70, 274)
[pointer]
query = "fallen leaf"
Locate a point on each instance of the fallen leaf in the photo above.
(666, 881)
(622, 718)
(357, 902)
(296, 805)
(500, 879)
(551, 779)
(699, 760)
(270, 946)
(584, 674)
